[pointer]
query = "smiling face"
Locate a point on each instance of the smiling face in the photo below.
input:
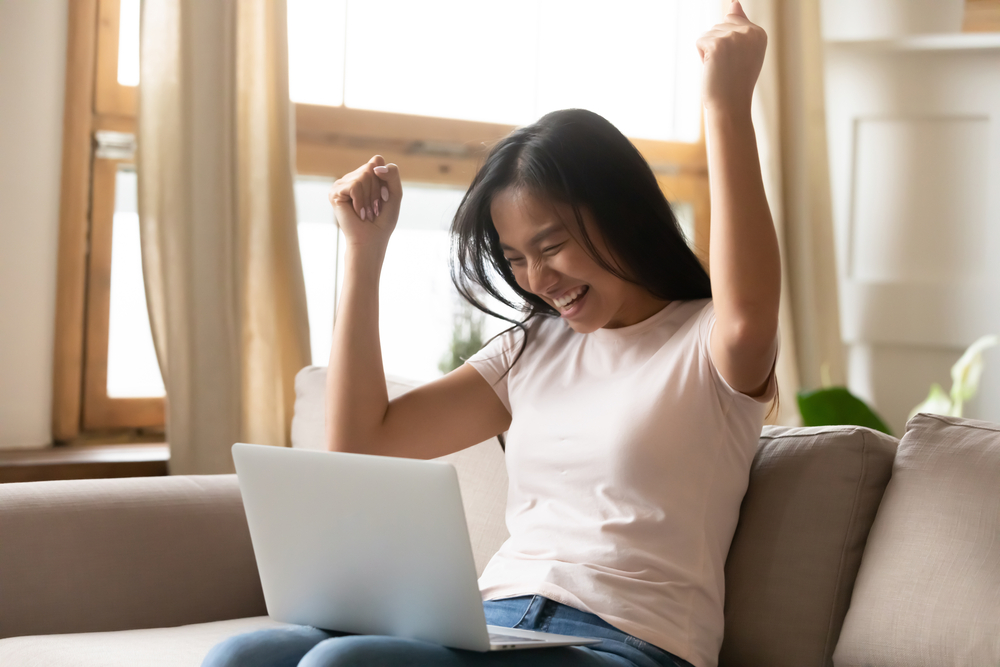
(542, 242)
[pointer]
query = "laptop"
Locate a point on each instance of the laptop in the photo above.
(369, 545)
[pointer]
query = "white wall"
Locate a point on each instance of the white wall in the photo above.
(32, 75)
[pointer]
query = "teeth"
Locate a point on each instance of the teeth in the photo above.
(568, 298)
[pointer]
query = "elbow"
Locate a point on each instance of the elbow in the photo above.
(338, 439)
(342, 442)
(352, 441)
(755, 335)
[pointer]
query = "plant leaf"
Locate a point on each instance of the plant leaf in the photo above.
(936, 403)
(836, 405)
(968, 370)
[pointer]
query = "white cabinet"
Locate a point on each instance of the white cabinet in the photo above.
(914, 141)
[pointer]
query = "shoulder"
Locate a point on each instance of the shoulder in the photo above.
(516, 341)
(693, 319)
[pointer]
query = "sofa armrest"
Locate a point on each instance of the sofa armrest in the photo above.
(121, 554)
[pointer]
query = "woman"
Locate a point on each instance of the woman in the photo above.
(633, 394)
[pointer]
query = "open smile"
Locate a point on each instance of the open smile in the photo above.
(569, 303)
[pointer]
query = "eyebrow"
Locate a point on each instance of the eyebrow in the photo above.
(548, 231)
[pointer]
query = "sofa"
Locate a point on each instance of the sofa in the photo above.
(852, 548)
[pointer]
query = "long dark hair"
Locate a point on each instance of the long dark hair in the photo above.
(578, 158)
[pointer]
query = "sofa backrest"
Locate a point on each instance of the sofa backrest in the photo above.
(811, 500)
(482, 475)
(812, 497)
(120, 554)
(928, 592)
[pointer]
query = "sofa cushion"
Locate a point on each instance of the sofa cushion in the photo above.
(96, 555)
(812, 497)
(482, 472)
(183, 646)
(928, 592)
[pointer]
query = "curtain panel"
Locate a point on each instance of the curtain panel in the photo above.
(220, 248)
(790, 120)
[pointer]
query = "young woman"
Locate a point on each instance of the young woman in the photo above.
(633, 393)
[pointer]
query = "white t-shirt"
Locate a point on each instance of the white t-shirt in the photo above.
(628, 457)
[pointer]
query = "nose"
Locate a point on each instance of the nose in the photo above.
(541, 277)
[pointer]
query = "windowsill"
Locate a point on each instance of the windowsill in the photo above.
(84, 462)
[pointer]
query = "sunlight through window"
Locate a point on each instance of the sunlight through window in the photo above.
(507, 61)
(418, 304)
(128, 43)
(133, 370)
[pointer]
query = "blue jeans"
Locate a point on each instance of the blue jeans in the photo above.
(310, 647)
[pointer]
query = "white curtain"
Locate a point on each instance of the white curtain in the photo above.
(790, 120)
(217, 218)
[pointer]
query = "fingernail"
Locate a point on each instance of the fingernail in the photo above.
(375, 207)
(382, 171)
(385, 193)
(362, 213)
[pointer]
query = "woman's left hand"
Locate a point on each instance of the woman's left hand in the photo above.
(733, 53)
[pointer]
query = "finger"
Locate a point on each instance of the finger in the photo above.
(357, 194)
(736, 9)
(371, 190)
(343, 192)
(705, 44)
(340, 198)
(340, 192)
(376, 186)
(392, 187)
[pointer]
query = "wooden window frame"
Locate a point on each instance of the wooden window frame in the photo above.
(100, 411)
(330, 141)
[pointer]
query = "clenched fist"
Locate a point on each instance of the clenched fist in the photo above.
(733, 53)
(366, 202)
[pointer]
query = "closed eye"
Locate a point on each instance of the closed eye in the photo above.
(512, 260)
(553, 248)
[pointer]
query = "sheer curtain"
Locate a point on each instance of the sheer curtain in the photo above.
(217, 218)
(789, 117)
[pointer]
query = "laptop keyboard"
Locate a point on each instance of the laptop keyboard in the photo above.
(497, 638)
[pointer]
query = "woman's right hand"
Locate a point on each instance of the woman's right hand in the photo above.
(366, 202)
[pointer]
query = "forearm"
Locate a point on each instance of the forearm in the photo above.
(356, 397)
(743, 248)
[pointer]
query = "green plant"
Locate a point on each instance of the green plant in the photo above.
(466, 338)
(836, 405)
(965, 376)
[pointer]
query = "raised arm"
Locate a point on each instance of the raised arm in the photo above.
(438, 418)
(743, 247)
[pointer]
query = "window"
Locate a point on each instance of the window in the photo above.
(133, 371)
(448, 79)
(504, 62)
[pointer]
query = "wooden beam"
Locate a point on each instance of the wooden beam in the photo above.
(381, 131)
(323, 124)
(74, 194)
(114, 123)
(334, 161)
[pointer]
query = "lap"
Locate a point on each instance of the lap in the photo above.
(301, 646)
(379, 651)
(275, 647)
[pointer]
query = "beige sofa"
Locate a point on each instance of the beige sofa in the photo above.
(833, 562)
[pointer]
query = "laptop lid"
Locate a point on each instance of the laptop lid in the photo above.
(362, 544)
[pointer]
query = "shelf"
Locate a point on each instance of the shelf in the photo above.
(959, 41)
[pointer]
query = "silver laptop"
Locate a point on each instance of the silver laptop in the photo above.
(369, 545)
